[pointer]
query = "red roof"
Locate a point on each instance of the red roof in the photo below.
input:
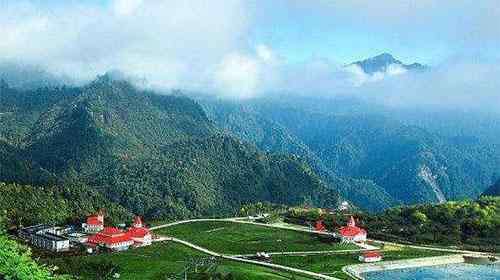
(319, 226)
(138, 232)
(110, 235)
(351, 231)
(371, 254)
(94, 220)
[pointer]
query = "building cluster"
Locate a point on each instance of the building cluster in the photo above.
(92, 234)
(353, 234)
(348, 233)
(114, 238)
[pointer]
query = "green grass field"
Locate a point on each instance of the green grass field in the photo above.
(237, 238)
(162, 260)
(332, 264)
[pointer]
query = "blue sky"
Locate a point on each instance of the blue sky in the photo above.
(344, 31)
(418, 30)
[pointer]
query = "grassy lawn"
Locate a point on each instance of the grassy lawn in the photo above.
(332, 264)
(237, 238)
(161, 260)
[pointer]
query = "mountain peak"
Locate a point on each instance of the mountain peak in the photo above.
(385, 57)
(381, 62)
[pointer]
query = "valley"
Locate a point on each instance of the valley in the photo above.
(233, 244)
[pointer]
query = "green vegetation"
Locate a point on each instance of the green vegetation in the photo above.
(157, 156)
(238, 238)
(332, 264)
(16, 262)
(161, 260)
(471, 224)
(55, 205)
(376, 157)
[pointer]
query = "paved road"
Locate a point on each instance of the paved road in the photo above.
(304, 253)
(433, 248)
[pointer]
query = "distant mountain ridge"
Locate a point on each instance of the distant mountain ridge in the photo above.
(374, 158)
(382, 62)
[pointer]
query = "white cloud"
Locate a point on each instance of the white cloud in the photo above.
(204, 46)
(237, 76)
(265, 53)
(126, 7)
(170, 43)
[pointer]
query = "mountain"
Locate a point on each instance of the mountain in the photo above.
(27, 76)
(375, 159)
(469, 224)
(155, 155)
(247, 121)
(494, 190)
(382, 62)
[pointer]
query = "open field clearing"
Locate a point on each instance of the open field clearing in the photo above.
(235, 238)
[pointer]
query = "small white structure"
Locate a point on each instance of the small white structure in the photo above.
(78, 237)
(372, 256)
(343, 206)
(61, 230)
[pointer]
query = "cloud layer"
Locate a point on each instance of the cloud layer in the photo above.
(207, 46)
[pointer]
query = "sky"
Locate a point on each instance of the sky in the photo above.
(243, 49)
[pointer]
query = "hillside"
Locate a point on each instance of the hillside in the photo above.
(246, 122)
(362, 146)
(155, 155)
(471, 224)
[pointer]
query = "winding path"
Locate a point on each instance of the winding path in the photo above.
(240, 258)
(254, 262)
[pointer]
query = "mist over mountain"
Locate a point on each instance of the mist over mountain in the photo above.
(30, 76)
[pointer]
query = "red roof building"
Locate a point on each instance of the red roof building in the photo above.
(319, 226)
(111, 238)
(95, 223)
(139, 233)
(352, 233)
(370, 256)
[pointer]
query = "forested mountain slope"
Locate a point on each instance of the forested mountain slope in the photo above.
(247, 122)
(153, 155)
(352, 141)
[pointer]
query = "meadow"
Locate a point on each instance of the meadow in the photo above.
(165, 260)
(332, 264)
(237, 238)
